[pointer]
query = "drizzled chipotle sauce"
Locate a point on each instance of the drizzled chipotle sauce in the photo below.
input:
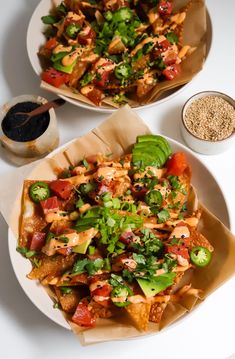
(31, 130)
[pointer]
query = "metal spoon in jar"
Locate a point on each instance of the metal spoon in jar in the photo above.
(41, 109)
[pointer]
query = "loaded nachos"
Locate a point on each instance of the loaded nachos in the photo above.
(115, 237)
(113, 51)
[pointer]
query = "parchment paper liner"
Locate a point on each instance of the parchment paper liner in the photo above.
(116, 135)
(194, 34)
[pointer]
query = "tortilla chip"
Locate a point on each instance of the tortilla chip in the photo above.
(68, 301)
(32, 219)
(58, 227)
(156, 312)
(139, 315)
(197, 239)
(100, 311)
(54, 266)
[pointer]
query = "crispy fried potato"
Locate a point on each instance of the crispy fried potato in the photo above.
(139, 315)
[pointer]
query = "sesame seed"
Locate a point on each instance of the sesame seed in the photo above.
(210, 118)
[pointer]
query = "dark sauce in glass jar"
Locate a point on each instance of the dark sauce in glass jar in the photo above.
(33, 129)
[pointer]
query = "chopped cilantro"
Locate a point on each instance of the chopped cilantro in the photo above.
(147, 47)
(66, 290)
(26, 252)
(163, 216)
(148, 244)
(172, 37)
(122, 162)
(49, 236)
(174, 205)
(63, 239)
(137, 56)
(120, 98)
(85, 188)
(94, 266)
(129, 276)
(87, 78)
(79, 203)
(86, 265)
(85, 163)
(159, 63)
(49, 19)
(79, 266)
(36, 262)
(139, 258)
(174, 181)
(169, 263)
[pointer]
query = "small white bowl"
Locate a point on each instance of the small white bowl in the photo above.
(24, 152)
(198, 144)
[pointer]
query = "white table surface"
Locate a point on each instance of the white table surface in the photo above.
(209, 331)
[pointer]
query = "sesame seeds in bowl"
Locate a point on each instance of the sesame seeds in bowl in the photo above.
(208, 122)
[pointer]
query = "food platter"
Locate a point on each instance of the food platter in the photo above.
(206, 193)
(35, 39)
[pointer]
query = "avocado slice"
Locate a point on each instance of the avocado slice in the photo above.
(155, 285)
(161, 141)
(143, 145)
(143, 159)
(154, 149)
(82, 248)
(67, 69)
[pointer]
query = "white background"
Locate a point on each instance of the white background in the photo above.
(209, 331)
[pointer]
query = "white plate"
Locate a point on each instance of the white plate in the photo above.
(35, 39)
(208, 192)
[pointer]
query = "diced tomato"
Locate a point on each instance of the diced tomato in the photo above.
(102, 188)
(98, 277)
(102, 73)
(86, 36)
(165, 8)
(51, 43)
(50, 204)
(171, 58)
(172, 71)
(180, 224)
(37, 241)
(104, 303)
(103, 291)
(177, 164)
(163, 45)
(101, 79)
(91, 159)
(80, 279)
(65, 251)
(54, 77)
(178, 250)
(127, 237)
(95, 96)
(70, 20)
(94, 256)
(83, 316)
(138, 190)
(61, 188)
